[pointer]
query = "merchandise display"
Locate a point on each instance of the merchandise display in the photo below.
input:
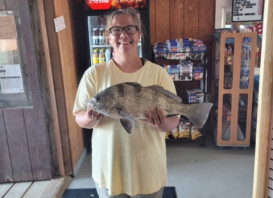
(184, 130)
(185, 60)
(191, 54)
(234, 63)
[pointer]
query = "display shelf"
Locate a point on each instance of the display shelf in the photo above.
(181, 86)
(234, 64)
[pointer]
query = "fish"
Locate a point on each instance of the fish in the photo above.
(128, 102)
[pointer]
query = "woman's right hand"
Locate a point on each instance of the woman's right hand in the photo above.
(88, 119)
(93, 115)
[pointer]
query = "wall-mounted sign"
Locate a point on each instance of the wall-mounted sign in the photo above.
(247, 10)
(99, 4)
(115, 4)
(59, 24)
(11, 81)
(7, 27)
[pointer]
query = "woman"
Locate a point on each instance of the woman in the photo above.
(125, 165)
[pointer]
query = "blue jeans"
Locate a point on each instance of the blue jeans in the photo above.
(103, 193)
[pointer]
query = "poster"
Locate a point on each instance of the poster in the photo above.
(247, 10)
(7, 27)
(11, 81)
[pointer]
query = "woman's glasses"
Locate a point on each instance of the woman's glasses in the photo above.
(130, 29)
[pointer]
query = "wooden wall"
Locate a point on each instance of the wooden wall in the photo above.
(181, 19)
(174, 19)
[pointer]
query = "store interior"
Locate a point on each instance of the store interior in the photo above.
(217, 160)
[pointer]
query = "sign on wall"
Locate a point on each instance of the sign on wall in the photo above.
(11, 79)
(7, 27)
(247, 10)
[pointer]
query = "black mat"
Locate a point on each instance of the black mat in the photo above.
(169, 192)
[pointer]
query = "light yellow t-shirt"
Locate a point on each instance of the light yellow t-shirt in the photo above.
(124, 163)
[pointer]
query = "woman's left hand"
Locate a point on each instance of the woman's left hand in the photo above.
(157, 119)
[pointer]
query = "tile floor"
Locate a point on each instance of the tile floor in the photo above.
(199, 172)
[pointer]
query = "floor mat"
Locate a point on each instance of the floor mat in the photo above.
(169, 192)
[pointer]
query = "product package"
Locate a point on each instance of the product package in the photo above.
(198, 72)
(174, 71)
(186, 71)
(195, 95)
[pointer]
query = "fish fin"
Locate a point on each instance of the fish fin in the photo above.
(127, 125)
(198, 113)
(166, 92)
(127, 121)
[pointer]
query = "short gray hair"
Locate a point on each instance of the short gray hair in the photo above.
(128, 11)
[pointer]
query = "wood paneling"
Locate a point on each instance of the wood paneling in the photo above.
(2, 5)
(162, 15)
(191, 25)
(181, 18)
(5, 163)
(206, 15)
(205, 29)
(18, 144)
(38, 144)
(176, 19)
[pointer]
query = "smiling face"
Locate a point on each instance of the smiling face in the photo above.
(124, 43)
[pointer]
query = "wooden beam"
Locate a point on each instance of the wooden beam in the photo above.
(69, 77)
(58, 83)
(264, 119)
(54, 129)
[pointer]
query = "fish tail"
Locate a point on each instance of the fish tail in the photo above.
(198, 113)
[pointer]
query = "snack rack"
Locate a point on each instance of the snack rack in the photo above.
(234, 78)
(183, 61)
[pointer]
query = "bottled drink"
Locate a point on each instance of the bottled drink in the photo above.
(107, 54)
(101, 56)
(95, 36)
(101, 37)
(95, 56)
